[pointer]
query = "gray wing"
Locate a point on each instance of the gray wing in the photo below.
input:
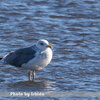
(20, 56)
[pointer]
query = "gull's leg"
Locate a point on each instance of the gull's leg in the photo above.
(33, 75)
(29, 76)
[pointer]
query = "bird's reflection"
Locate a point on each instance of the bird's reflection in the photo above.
(37, 85)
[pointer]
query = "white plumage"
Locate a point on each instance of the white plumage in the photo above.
(41, 59)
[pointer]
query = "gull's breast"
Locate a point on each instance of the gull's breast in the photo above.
(40, 61)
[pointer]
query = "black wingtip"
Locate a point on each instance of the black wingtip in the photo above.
(0, 58)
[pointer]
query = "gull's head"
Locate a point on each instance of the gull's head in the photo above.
(43, 44)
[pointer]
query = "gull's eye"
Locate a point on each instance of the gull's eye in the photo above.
(41, 43)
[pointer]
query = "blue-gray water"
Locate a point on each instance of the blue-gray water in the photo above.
(71, 26)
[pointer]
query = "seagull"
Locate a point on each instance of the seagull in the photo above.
(32, 58)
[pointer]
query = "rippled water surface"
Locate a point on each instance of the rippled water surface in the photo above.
(71, 26)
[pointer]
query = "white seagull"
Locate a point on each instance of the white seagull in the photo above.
(32, 58)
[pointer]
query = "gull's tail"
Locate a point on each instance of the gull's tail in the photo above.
(1, 58)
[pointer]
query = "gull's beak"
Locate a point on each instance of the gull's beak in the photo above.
(50, 46)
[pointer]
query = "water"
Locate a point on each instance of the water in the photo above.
(71, 26)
